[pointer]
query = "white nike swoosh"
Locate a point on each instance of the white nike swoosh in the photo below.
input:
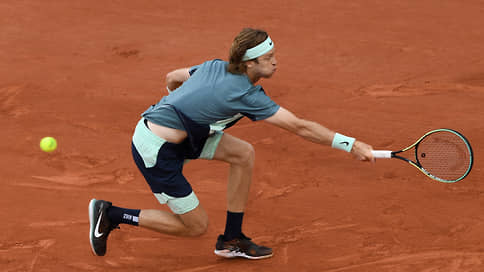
(96, 232)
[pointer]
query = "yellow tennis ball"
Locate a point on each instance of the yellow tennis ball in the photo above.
(48, 144)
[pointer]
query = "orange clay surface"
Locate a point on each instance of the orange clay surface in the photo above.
(384, 72)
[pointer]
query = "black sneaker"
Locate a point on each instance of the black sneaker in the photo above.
(100, 225)
(241, 247)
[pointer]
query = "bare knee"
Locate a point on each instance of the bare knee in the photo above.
(246, 156)
(197, 229)
(195, 222)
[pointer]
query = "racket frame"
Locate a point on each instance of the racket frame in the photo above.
(417, 164)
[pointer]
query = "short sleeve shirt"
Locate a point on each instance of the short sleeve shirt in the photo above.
(212, 96)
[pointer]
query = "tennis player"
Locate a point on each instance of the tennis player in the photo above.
(189, 123)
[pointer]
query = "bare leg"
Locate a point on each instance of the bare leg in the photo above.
(241, 156)
(193, 223)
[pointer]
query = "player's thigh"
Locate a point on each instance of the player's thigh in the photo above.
(233, 150)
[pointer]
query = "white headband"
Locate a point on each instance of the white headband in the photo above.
(258, 50)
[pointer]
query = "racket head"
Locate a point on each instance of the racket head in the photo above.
(444, 155)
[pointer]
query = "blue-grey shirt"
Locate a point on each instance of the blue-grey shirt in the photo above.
(212, 96)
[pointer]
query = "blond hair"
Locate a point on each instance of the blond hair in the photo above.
(246, 39)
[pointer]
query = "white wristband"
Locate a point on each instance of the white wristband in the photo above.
(342, 142)
(168, 89)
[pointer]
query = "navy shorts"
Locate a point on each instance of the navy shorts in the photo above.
(166, 175)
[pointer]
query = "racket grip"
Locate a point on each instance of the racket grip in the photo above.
(382, 154)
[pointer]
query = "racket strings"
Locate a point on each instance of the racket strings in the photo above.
(444, 155)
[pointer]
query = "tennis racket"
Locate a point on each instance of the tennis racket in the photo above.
(444, 155)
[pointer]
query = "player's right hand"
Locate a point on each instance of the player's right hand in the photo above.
(362, 151)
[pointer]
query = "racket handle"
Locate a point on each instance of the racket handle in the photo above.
(382, 154)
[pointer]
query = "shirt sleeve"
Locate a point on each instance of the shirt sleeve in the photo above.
(256, 105)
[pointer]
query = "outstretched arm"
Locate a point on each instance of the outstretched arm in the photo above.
(175, 78)
(316, 133)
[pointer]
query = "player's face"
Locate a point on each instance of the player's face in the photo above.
(267, 64)
(264, 67)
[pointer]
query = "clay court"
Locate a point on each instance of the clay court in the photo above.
(384, 72)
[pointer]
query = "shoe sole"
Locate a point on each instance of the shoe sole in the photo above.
(92, 224)
(232, 254)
